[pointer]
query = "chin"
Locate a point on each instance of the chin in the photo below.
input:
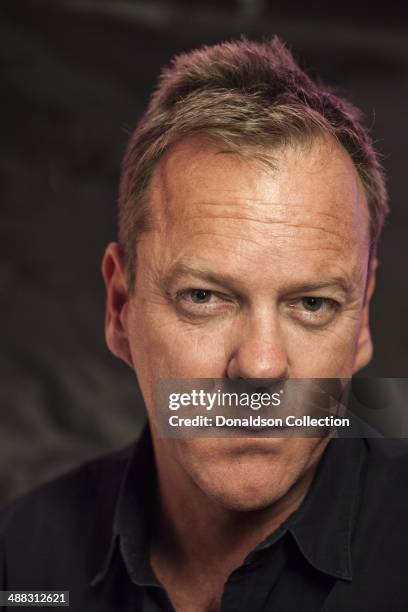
(244, 492)
(245, 474)
(244, 501)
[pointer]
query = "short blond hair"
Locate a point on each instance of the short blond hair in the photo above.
(244, 95)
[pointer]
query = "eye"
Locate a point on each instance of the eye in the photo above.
(199, 296)
(201, 302)
(313, 304)
(314, 311)
(197, 300)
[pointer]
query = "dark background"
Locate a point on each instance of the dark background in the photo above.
(75, 77)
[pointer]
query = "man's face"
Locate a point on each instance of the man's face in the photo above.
(249, 273)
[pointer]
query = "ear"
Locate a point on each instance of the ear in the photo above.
(117, 299)
(364, 351)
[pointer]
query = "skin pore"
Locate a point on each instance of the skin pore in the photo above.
(249, 272)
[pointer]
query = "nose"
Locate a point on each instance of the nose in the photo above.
(258, 349)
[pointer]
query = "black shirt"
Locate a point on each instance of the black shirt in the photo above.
(344, 549)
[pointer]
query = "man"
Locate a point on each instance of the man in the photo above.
(251, 203)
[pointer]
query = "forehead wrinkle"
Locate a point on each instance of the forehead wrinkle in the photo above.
(280, 241)
(266, 224)
(340, 228)
(278, 207)
(286, 212)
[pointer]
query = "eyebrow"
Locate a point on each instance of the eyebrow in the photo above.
(181, 269)
(205, 274)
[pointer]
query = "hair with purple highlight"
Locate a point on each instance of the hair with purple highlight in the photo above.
(249, 98)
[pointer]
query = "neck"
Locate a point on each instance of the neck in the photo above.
(197, 536)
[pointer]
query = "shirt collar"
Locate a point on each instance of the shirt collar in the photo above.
(322, 526)
(130, 523)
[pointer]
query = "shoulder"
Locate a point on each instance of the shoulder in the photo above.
(384, 485)
(387, 467)
(73, 492)
(384, 499)
(381, 527)
(379, 538)
(63, 528)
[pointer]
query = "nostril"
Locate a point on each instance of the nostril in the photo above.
(261, 390)
(263, 385)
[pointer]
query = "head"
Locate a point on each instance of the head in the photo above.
(251, 202)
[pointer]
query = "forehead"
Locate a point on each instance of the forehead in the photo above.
(319, 174)
(310, 197)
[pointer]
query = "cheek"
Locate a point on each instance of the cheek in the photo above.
(162, 346)
(322, 353)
